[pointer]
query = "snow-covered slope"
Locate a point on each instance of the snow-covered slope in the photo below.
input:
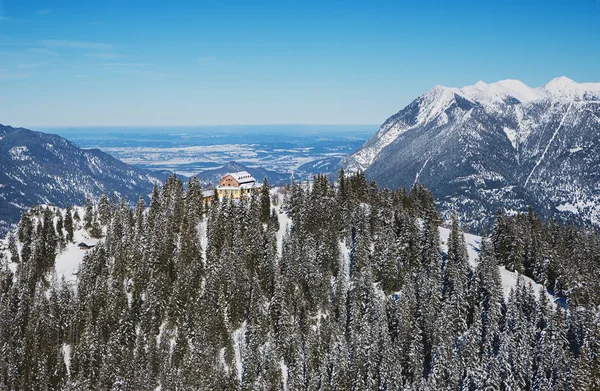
(509, 279)
(498, 145)
(68, 258)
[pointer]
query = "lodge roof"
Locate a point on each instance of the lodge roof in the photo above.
(242, 177)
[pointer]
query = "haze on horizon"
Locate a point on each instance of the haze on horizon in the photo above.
(152, 63)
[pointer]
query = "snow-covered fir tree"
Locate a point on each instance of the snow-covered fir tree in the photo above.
(326, 286)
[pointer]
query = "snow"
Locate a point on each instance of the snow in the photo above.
(519, 90)
(242, 176)
(239, 348)
(284, 225)
(202, 229)
(435, 102)
(509, 279)
(345, 259)
(432, 106)
(222, 360)
(576, 149)
(561, 88)
(578, 207)
(568, 208)
(562, 121)
(365, 156)
(565, 88)
(66, 349)
(68, 261)
(421, 170)
(512, 136)
(19, 153)
(284, 375)
(499, 91)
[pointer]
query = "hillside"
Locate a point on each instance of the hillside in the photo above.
(39, 168)
(174, 296)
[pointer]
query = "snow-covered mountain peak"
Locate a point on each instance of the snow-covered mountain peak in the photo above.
(480, 85)
(559, 83)
(500, 91)
(519, 90)
(435, 101)
(565, 88)
(495, 145)
(440, 91)
(560, 88)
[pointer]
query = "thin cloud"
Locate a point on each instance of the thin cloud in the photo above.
(13, 75)
(83, 76)
(43, 51)
(128, 64)
(2, 18)
(103, 56)
(32, 65)
(42, 12)
(76, 44)
(207, 59)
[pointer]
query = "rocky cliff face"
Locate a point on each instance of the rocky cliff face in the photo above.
(489, 146)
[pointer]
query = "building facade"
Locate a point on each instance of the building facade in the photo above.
(237, 184)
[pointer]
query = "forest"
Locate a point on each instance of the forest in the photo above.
(353, 292)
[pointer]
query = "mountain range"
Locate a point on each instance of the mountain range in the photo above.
(478, 148)
(503, 145)
(40, 168)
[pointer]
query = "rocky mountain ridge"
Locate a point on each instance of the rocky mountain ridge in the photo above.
(499, 145)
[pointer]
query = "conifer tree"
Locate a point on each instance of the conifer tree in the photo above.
(69, 224)
(265, 201)
(89, 214)
(104, 209)
(194, 201)
(12, 248)
(359, 297)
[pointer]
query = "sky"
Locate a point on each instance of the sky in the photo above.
(176, 63)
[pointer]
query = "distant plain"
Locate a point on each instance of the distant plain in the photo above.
(190, 150)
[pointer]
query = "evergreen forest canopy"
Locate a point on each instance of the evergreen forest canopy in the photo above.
(357, 296)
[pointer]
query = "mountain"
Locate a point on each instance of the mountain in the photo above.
(213, 176)
(499, 145)
(39, 168)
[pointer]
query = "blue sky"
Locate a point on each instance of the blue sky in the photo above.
(129, 62)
